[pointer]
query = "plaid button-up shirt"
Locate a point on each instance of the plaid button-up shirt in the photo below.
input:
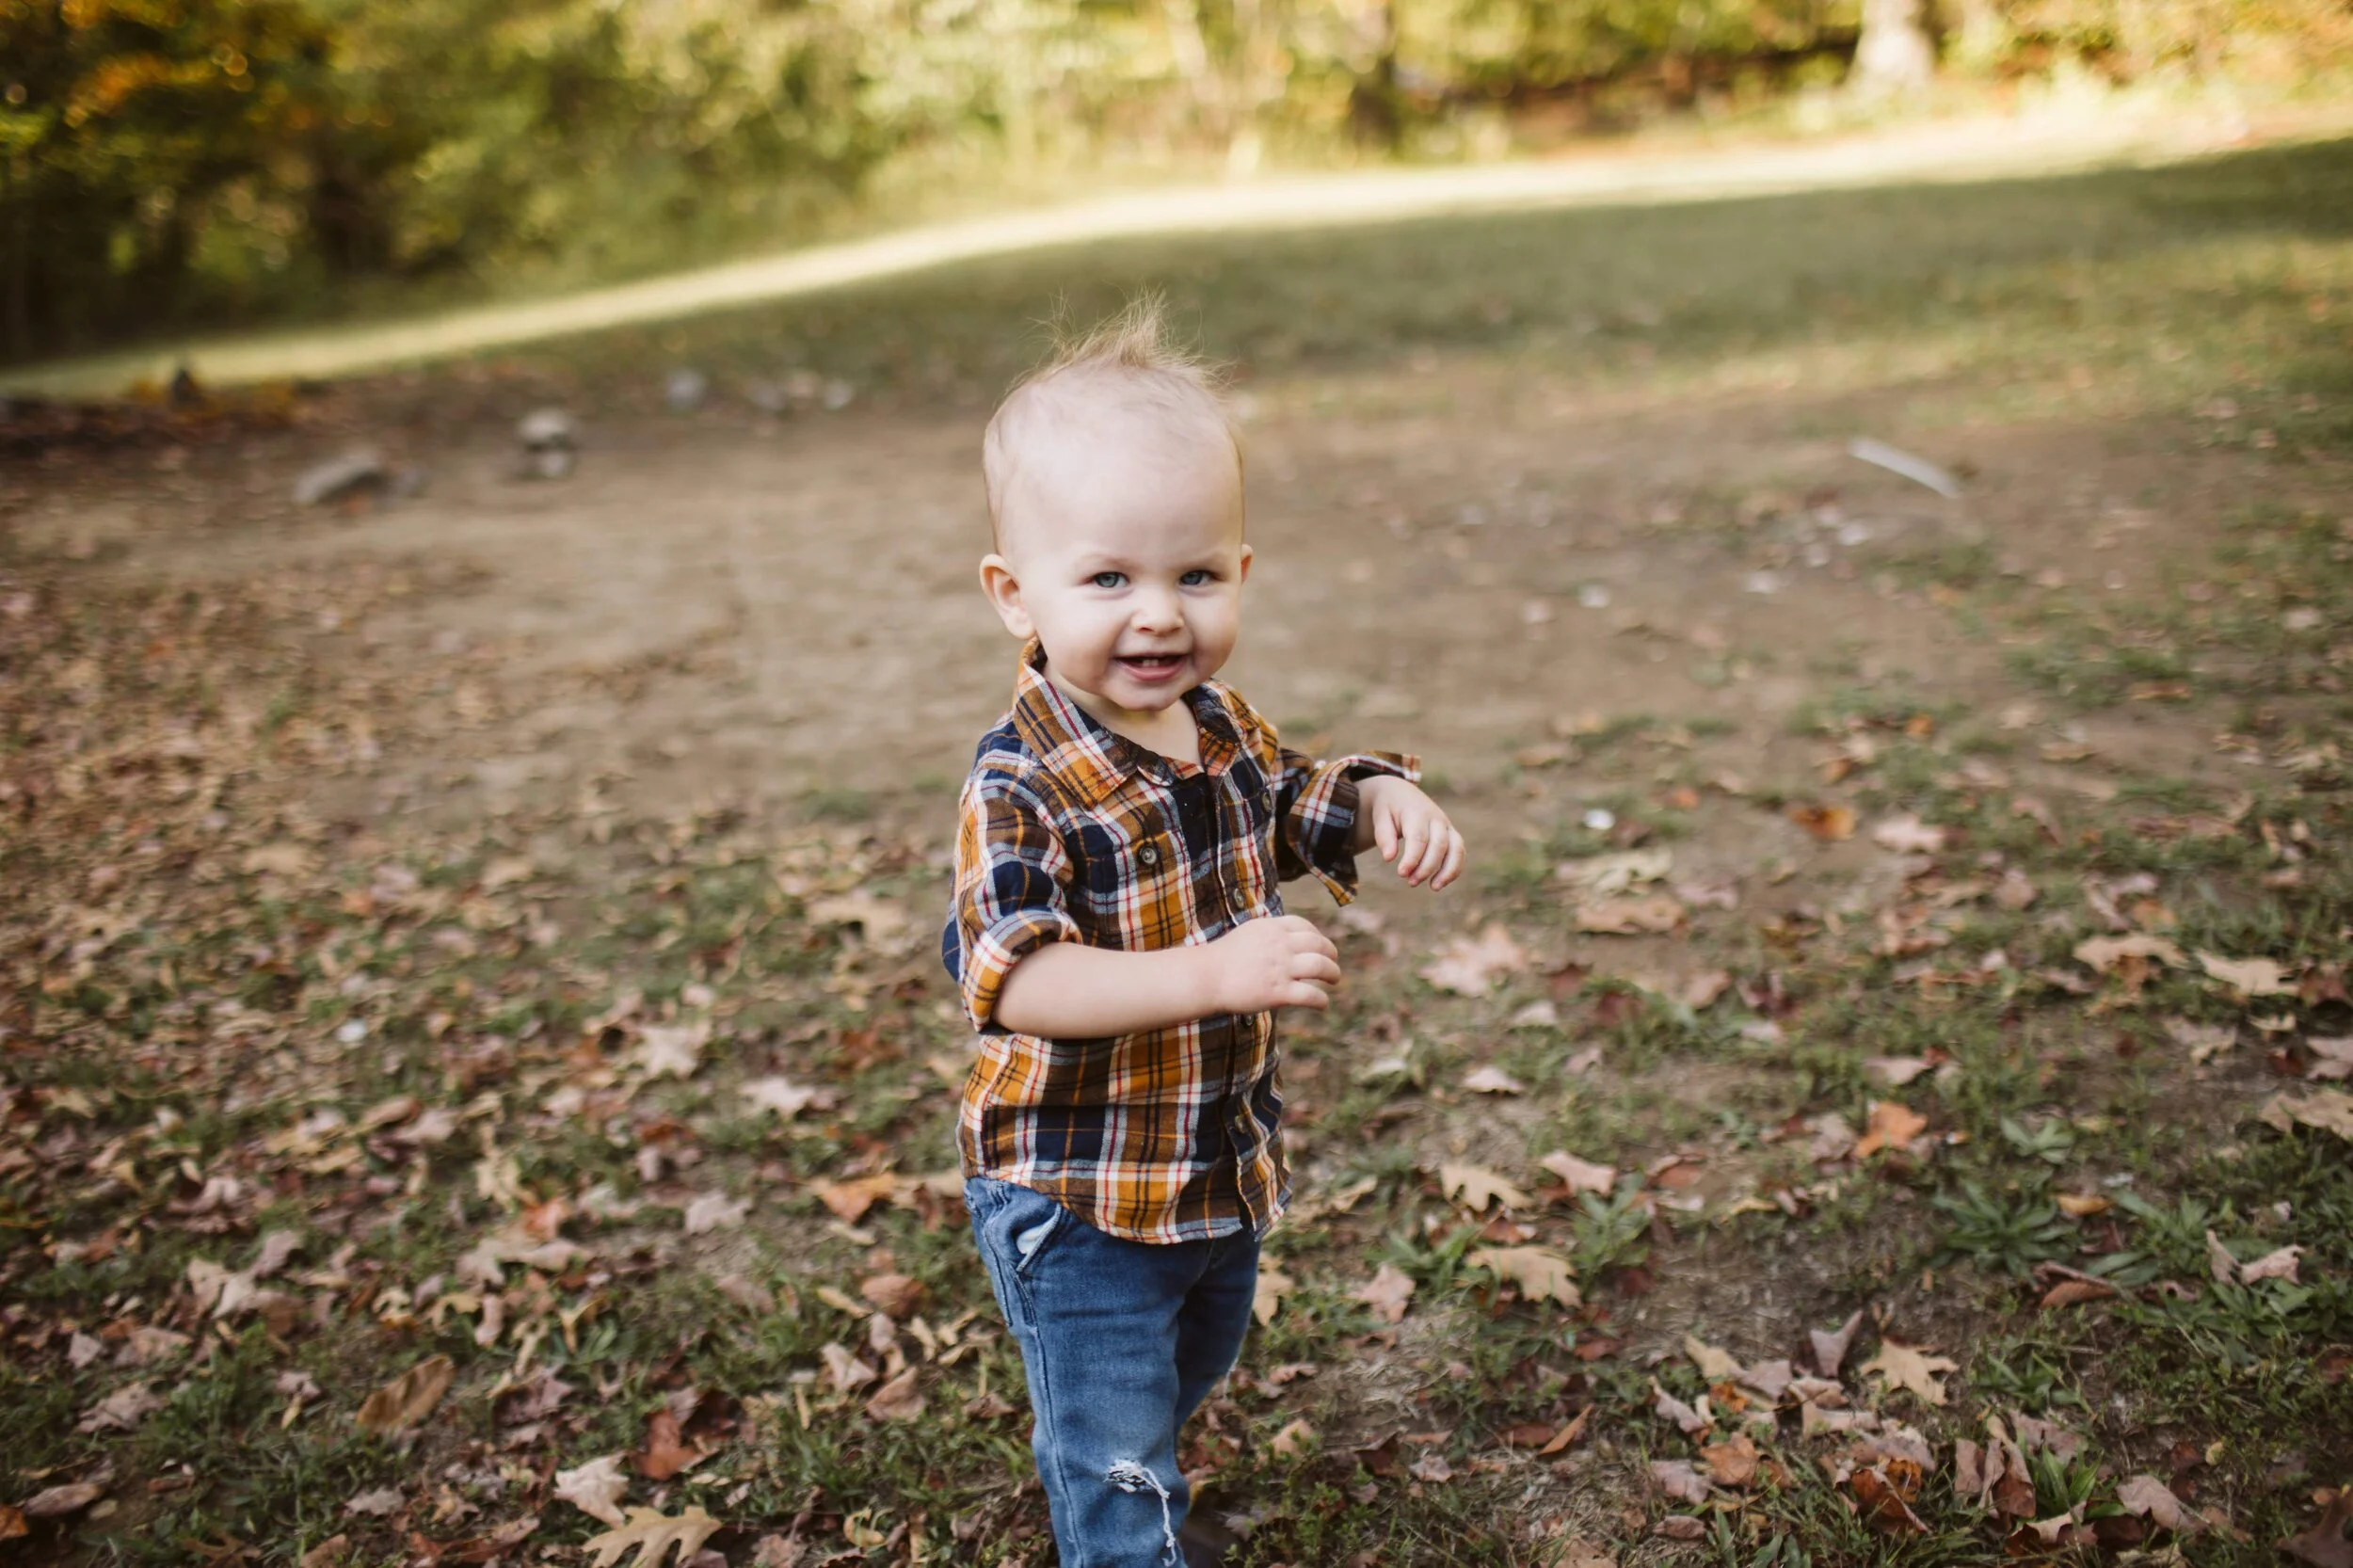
(1070, 833)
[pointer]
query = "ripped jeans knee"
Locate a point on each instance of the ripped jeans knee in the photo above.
(1132, 1476)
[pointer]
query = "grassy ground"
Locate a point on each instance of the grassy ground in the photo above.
(623, 1107)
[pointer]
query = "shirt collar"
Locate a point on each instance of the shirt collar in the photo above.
(1088, 759)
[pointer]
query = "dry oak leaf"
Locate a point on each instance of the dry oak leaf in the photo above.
(1582, 1176)
(673, 1051)
(665, 1454)
(407, 1399)
(55, 1502)
(1910, 1368)
(1831, 823)
(1388, 1292)
(1715, 1363)
(2272, 1265)
(12, 1524)
(2147, 1497)
(1656, 915)
(1830, 1350)
(1541, 1273)
(1680, 1526)
(1895, 1071)
(120, 1411)
(1475, 1187)
(715, 1212)
(1567, 1434)
(896, 1296)
(1892, 1125)
(2105, 953)
(1883, 1503)
(899, 1400)
(1909, 835)
(1581, 1553)
(1493, 1081)
(1468, 966)
(785, 1097)
(595, 1488)
(1267, 1300)
(850, 1200)
(2325, 1546)
(1287, 1443)
(2249, 977)
(2328, 1110)
(2331, 1057)
(653, 1535)
(2220, 1262)
(1689, 1419)
(1679, 1480)
(1731, 1461)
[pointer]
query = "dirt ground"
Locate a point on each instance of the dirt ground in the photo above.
(723, 608)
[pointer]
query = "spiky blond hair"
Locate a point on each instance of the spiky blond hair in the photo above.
(1127, 366)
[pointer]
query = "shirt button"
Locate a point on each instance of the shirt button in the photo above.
(1148, 855)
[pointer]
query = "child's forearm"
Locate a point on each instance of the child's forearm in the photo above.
(1069, 991)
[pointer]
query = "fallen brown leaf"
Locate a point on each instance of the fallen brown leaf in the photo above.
(1910, 1368)
(653, 1535)
(1679, 1480)
(895, 1295)
(1830, 1350)
(55, 1502)
(1476, 1188)
(1541, 1273)
(899, 1400)
(2325, 1546)
(1892, 1125)
(2103, 953)
(595, 1488)
(1469, 966)
(1390, 1289)
(1582, 1176)
(2248, 977)
(1907, 835)
(1882, 1504)
(1632, 916)
(2147, 1497)
(2328, 1110)
(1274, 1285)
(1731, 1461)
(407, 1399)
(1831, 823)
(850, 1200)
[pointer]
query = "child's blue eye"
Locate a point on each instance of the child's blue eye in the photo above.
(1195, 578)
(1110, 579)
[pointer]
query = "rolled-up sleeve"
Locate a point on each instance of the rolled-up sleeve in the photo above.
(1315, 806)
(1012, 873)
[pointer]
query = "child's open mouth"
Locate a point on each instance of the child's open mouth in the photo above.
(1151, 668)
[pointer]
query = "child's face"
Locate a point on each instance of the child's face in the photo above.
(1127, 561)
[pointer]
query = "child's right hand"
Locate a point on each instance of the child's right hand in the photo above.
(1282, 961)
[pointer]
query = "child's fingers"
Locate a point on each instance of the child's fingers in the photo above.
(1303, 994)
(1409, 855)
(1316, 966)
(1453, 865)
(1384, 833)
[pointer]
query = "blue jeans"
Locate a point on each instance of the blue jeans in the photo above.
(1121, 1341)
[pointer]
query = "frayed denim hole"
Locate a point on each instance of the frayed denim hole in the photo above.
(1132, 1476)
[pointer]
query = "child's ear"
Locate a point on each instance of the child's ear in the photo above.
(1246, 554)
(1005, 595)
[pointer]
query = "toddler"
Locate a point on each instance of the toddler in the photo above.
(1116, 932)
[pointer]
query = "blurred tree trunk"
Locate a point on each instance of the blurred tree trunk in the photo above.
(1896, 54)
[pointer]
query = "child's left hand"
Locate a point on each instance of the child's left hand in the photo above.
(1409, 829)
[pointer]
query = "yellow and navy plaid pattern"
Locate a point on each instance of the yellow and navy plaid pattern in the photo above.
(1070, 833)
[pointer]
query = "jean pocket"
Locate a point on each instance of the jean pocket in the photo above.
(1034, 1233)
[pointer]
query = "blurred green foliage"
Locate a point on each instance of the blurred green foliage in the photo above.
(180, 162)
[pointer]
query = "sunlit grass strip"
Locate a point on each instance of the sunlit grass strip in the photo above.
(1973, 151)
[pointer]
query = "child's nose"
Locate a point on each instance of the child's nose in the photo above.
(1157, 609)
